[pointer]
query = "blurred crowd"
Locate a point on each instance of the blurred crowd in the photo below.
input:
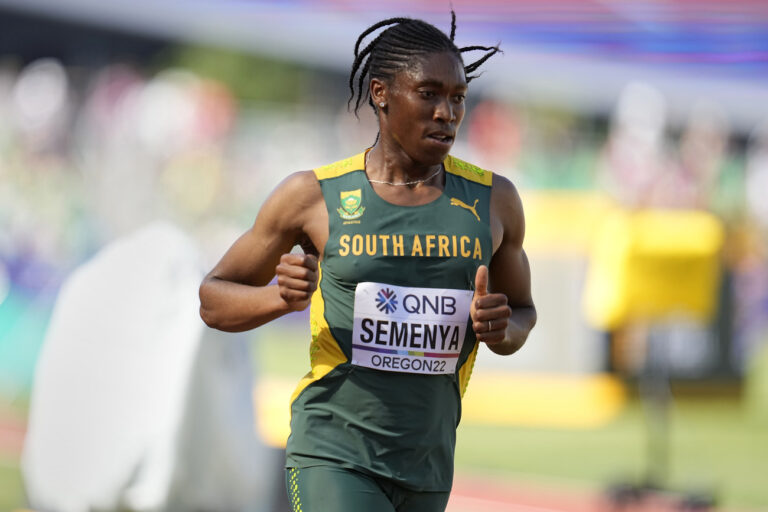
(88, 155)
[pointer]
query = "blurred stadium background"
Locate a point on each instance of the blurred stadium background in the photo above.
(636, 131)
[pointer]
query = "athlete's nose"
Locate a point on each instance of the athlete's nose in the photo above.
(444, 111)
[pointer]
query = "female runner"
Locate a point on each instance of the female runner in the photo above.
(411, 257)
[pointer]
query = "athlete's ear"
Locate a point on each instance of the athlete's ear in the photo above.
(378, 92)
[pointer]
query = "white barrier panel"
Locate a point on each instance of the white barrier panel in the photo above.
(136, 404)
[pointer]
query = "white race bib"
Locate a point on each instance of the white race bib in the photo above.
(411, 330)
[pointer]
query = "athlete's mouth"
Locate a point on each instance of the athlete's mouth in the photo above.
(441, 137)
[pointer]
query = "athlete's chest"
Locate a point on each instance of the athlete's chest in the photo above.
(372, 239)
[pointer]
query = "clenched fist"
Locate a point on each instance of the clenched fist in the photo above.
(297, 279)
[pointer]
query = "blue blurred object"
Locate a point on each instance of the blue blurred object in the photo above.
(24, 317)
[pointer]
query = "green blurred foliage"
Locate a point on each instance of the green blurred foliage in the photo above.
(11, 487)
(756, 386)
(251, 78)
(560, 149)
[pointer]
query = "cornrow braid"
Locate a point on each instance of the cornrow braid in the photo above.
(394, 49)
(471, 68)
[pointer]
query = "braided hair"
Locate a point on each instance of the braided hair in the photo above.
(394, 49)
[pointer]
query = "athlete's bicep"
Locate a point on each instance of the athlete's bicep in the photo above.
(509, 271)
(510, 274)
(280, 225)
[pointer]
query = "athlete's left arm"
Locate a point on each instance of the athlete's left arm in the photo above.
(503, 298)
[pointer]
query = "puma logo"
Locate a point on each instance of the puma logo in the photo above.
(462, 204)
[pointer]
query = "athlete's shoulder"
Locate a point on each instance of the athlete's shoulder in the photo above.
(504, 189)
(468, 171)
(296, 192)
(336, 169)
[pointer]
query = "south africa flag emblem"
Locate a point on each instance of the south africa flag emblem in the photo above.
(351, 205)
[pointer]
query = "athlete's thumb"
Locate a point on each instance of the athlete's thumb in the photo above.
(481, 281)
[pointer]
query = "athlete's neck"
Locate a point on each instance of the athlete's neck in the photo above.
(394, 166)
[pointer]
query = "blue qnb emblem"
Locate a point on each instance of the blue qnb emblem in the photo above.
(386, 300)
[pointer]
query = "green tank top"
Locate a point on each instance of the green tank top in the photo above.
(392, 344)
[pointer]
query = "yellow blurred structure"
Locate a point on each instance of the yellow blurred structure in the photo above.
(272, 398)
(647, 265)
(563, 221)
(500, 398)
(543, 400)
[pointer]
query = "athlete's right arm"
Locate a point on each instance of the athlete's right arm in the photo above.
(236, 295)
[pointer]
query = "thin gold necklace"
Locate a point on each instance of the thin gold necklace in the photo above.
(403, 184)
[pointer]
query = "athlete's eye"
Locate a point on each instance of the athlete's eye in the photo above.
(426, 94)
(459, 98)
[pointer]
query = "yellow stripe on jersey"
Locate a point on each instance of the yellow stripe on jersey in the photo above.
(324, 351)
(336, 169)
(453, 165)
(466, 370)
(468, 171)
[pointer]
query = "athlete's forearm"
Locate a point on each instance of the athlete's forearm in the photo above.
(235, 307)
(520, 324)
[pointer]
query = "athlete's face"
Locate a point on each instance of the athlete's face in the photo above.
(425, 106)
